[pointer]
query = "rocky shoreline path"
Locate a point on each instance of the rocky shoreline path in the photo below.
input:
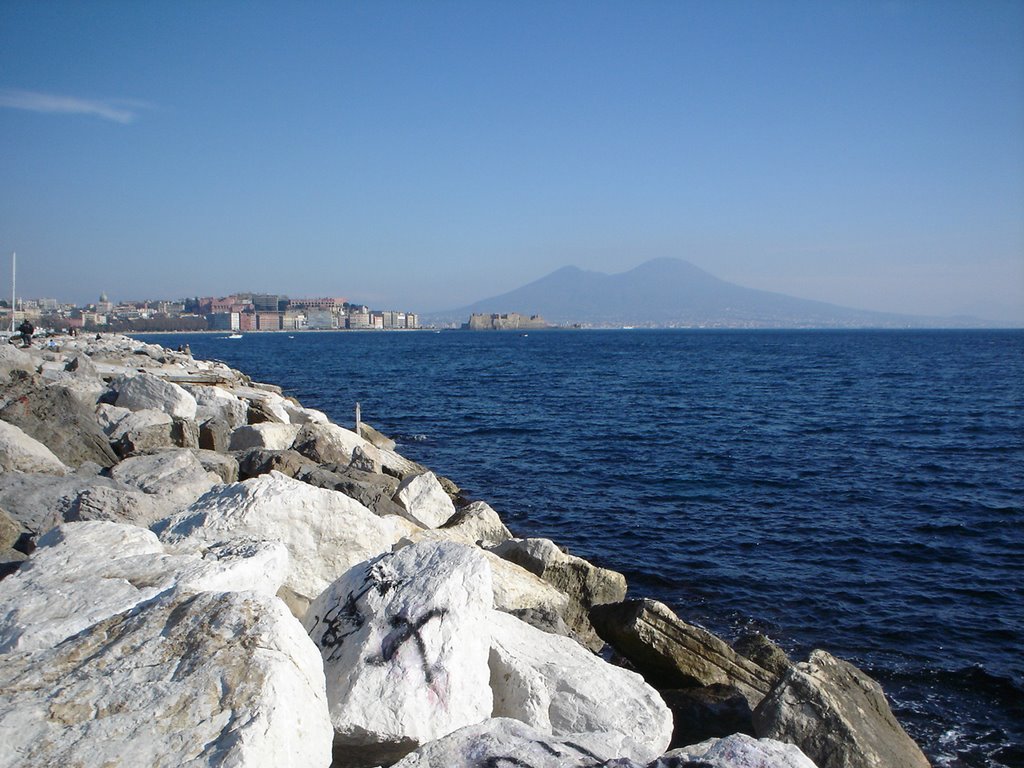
(196, 570)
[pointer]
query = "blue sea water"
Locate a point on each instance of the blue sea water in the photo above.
(857, 491)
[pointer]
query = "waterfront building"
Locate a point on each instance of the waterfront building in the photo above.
(293, 320)
(223, 321)
(359, 320)
(268, 321)
(247, 321)
(321, 319)
(511, 321)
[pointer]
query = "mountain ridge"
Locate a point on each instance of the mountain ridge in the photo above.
(671, 292)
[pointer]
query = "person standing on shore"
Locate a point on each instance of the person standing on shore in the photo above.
(26, 330)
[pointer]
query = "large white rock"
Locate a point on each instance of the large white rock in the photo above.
(176, 476)
(14, 359)
(742, 751)
(82, 573)
(424, 500)
(21, 453)
(297, 414)
(211, 679)
(217, 402)
(515, 589)
(555, 685)
(325, 532)
(138, 420)
(404, 639)
(273, 437)
(109, 416)
(144, 390)
(478, 521)
(501, 742)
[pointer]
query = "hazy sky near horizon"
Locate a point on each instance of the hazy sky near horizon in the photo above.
(424, 155)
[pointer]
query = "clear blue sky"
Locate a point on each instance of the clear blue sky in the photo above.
(424, 155)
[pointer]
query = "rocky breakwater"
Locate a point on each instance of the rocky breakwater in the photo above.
(200, 571)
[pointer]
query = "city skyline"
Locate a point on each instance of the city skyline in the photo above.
(869, 155)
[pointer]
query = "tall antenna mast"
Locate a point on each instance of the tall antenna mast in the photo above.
(14, 293)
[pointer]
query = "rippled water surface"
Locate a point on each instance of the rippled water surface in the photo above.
(861, 492)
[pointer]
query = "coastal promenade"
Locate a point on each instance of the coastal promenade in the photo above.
(198, 570)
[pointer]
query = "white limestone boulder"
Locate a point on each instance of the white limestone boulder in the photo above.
(558, 687)
(217, 402)
(269, 435)
(743, 751)
(502, 741)
(108, 416)
(479, 522)
(325, 532)
(82, 573)
(516, 590)
(424, 500)
(144, 390)
(136, 421)
(175, 477)
(211, 679)
(404, 639)
(21, 453)
(297, 414)
(14, 359)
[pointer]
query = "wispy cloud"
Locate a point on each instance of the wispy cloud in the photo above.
(119, 110)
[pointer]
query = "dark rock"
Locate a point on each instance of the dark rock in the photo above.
(365, 459)
(396, 465)
(670, 653)
(320, 477)
(372, 490)
(145, 439)
(325, 443)
(61, 422)
(763, 652)
(586, 584)
(260, 461)
(544, 618)
(83, 366)
(10, 561)
(374, 437)
(260, 413)
(223, 465)
(838, 716)
(184, 433)
(215, 435)
(10, 530)
(707, 713)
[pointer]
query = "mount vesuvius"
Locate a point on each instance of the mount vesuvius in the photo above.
(670, 292)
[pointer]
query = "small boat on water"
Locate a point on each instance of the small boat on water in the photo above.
(234, 336)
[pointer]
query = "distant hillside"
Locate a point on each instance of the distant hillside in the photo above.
(672, 293)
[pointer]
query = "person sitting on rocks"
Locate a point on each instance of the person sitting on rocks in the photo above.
(26, 330)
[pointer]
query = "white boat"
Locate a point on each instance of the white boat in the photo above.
(234, 336)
